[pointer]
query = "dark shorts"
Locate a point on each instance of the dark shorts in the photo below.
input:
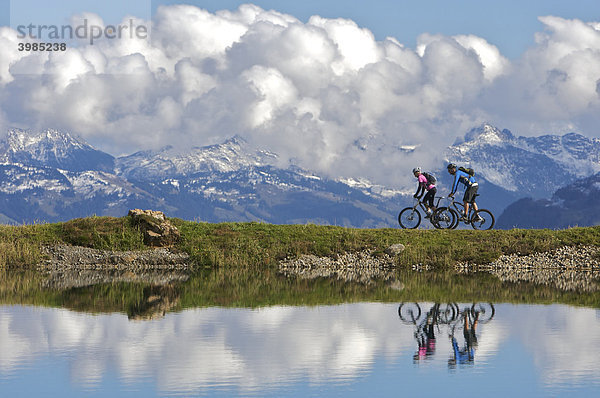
(429, 196)
(470, 194)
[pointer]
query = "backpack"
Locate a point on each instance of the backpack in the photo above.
(431, 180)
(469, 171)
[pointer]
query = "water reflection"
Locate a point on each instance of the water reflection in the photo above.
(157, 301)
(303, 350)
(152, 296)
(455, 320)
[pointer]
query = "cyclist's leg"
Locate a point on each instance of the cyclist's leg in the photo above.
(466, 201)
(431, 199)
(428, 199)
(469, 198)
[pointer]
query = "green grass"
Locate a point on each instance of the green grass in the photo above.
(256, 244)
(259, 245)
(20, 245)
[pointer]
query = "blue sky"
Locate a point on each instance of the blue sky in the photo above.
(509, 24)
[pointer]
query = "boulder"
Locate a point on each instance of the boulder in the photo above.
(394, 250)
(157, 230)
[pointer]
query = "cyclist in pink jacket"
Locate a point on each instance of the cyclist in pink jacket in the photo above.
(425, 185)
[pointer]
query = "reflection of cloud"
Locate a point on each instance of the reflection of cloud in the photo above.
(253, 349)
(194, 349)
(565, 343)
(14, 348)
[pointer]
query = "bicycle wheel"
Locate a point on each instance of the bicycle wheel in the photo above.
(486, 219)
(447, 313)
(409, 218)
(409, 312)
(443, 218)
(459, 209)
(484, 312)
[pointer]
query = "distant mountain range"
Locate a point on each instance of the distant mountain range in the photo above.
(573, 205)
(528, 166)
(52, 176)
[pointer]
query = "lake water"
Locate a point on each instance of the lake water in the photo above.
(347, 349)
(248, 332)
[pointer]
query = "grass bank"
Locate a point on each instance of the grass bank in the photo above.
(258, 245)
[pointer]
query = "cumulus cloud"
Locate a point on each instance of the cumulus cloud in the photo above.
(323, 94)
(554, 86)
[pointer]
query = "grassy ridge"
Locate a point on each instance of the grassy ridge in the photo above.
(20, 246)
(258, 245)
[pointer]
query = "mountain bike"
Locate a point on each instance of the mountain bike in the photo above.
(479, 312)
(410, 217)
(481, 219)
(485, 311)
(438, 314)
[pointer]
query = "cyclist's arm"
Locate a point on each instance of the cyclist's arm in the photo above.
(420, 191)
(455, 183)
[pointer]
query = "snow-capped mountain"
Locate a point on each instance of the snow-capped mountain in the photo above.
(52, 148)
(573, 205)
(52, 176)
(225, 182)
(529, 166)
(231, 155)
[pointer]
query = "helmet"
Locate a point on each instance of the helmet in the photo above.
(416, 170)
(451, 166)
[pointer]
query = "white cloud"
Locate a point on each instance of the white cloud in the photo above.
(324, 94)
(494, 64)
(356, 46)
(554, 86)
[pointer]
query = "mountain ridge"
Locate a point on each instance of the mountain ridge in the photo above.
(532, 166)
(57, 176)
(572, 205)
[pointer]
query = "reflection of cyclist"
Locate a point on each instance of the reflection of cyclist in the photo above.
(470, 192)
(466, 354)
(425, 185)
(426, 338)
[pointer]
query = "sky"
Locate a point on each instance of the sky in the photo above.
(342, 88)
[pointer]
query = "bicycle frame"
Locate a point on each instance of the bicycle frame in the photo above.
(450, 215)
(485, 222)
(413, 216)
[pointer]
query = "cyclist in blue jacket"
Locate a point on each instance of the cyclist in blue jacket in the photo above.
(460, 177)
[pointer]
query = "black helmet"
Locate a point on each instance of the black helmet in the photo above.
(451, 166)
(416, 170)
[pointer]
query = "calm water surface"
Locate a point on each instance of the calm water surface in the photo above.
(361, 349)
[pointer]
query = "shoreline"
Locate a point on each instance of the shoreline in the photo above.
(62, 257)
(68, 257)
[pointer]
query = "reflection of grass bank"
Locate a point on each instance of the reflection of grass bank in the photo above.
(260, 245)
(241, 287)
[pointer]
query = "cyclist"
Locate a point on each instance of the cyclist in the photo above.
(425, 185)
(461, 177)
(467, 353)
